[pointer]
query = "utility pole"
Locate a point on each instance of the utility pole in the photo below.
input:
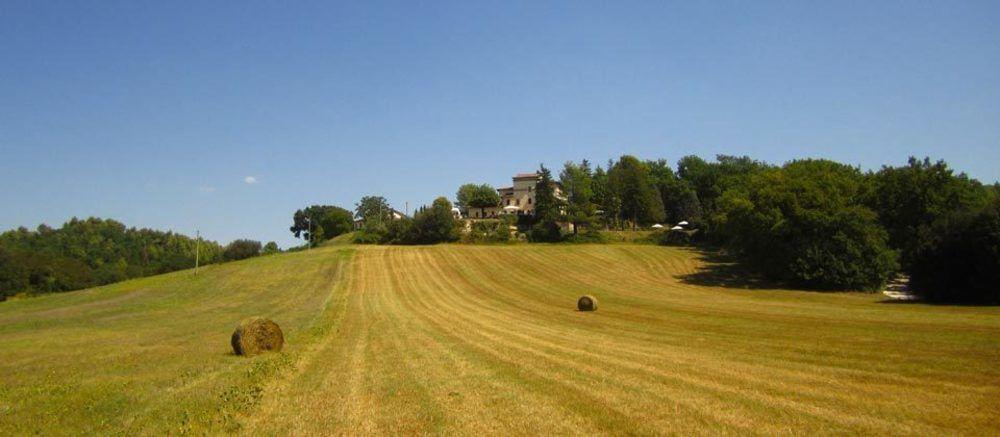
(197, 250)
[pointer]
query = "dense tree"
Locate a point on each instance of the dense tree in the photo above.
(960, 260)
(270, 248)
(578, 186)
(548, 209)
(86, 253)
(477, 196)
(710, 180)
(631, 182)
(374, 210)
(325, 222)
(804, 223)
(911, 199)
(607, 202)
(241, 249)
(680, 201)
(429, 225)
(434, 225)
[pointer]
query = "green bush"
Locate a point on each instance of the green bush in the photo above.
(369, 236)
(488, 231)
(677, 238)
(590, 236)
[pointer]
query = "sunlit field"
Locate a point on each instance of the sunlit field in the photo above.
(457, 339)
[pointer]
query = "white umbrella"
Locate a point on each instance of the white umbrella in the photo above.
(676, 228)
(683, 223)
(657, 226)
(511, 208)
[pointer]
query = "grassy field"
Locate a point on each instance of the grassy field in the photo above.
(485, 339)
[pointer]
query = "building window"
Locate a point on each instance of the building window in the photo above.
(518, 202)
(529, 201)
(508, 201)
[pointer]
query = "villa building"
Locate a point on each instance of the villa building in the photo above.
(517, 199)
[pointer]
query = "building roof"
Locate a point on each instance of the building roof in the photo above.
(526, 176)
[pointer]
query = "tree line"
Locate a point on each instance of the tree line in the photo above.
(94, 251)
(813, 223)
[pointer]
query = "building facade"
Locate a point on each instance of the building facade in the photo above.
(517, 199)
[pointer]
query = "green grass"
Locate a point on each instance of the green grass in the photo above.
(462, 339)
(340, 240)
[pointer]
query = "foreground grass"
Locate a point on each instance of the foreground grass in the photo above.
(471, 339)
(152, 355)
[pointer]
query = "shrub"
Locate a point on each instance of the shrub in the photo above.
(368, 236)
(488, 231)
(677, 238)
(589, 236)
(545, 232)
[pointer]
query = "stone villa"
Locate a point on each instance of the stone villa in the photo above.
(517, 199)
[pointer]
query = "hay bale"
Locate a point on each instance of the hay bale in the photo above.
(256, 335)
(587, 303)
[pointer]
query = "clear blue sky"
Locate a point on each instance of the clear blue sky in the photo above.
(155, 113)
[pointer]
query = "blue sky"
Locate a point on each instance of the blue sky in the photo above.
(156, 113)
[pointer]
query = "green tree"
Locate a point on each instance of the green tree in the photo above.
(804, 223)
(373, 210)
(607, 201)
(435, 224)
(578, 186)
(270, 248)
(910, 199)
(90, 252)
(711, 180)
(961, 260)
(325, 222)
(680, 200)
(641, 204)
(548, 207)
(477, 196)
(241, 249)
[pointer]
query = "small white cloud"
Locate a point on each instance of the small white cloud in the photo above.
(206, 189)
(250, 180)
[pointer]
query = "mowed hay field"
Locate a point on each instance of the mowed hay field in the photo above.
(486, 339)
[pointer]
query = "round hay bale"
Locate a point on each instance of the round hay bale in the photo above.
(256, 335)
(587, 303)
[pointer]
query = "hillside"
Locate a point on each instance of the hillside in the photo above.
(486, 339)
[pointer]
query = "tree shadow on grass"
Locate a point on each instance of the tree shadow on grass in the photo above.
(721, 270)
(922, 301)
